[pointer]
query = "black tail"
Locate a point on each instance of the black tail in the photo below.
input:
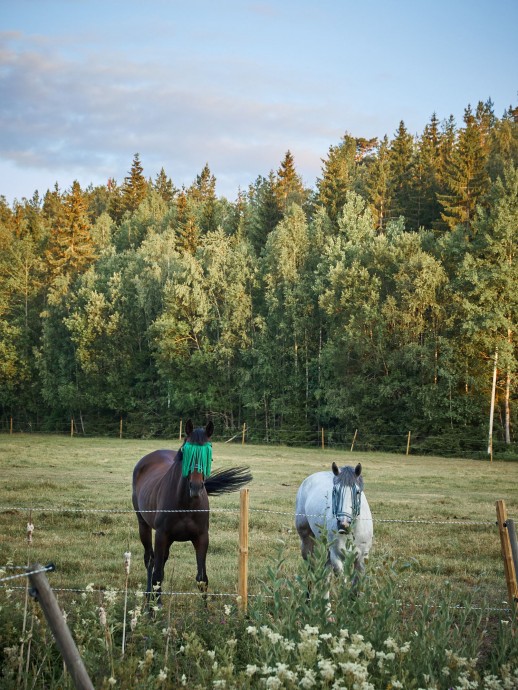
(225, 481)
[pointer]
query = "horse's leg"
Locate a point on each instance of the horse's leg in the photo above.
(146, 537)
(162, 546)
(201, 545)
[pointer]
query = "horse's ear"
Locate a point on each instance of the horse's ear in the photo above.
(189, 428)
(209, 429)
(358, 469)
(335, 469)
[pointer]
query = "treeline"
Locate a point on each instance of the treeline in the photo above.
(378, 299)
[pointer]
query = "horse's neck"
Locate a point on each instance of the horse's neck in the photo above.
(176, 487)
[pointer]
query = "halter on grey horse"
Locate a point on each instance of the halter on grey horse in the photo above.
(345, 479)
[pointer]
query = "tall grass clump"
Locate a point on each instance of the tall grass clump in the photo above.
(366, 637)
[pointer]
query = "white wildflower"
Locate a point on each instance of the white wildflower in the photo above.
(274, 637)
(251, 670)
(162, 676)
(102, 615)
(112, 681)
(219, 683)
(211, 654)
(252, 630)
(327, 669)
(273, 683)
(89, 587)
(309, 680)
(227, 609)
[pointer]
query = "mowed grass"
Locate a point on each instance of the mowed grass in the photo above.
(409, 496)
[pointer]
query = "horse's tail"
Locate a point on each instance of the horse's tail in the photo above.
(225, 481)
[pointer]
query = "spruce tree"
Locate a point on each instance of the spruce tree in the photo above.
(288, 186)
(465, 176)
(424, 208)
(164, 186)
(400, 157)
(378, 186)
(338, 175)
(71, 249)
(135, 186)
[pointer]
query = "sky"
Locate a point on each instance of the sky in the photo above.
(87, 84)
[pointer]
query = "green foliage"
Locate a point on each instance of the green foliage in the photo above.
(292, 637)
(293, 310)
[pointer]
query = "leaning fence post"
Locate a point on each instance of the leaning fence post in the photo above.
(514, 543)
(62, 635)
(354, 440)
(243, 434)
(242, 583)
(408, 443)
(507, 555)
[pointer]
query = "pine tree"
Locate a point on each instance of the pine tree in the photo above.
(135, 186)
(164, 186)
(424, 209)
(186, 226)
(203, 193)
(71, 248)
(265, 211)
(378, 185)
(338, 176)
(288, 186)
(400, 157)
(465, 176)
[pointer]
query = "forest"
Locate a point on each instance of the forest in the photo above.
(384, 297)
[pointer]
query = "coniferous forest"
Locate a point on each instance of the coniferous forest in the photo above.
(377, 299)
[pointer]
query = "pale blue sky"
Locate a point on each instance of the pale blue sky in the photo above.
(84, 85)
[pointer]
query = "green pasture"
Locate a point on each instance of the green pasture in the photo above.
(409, 496)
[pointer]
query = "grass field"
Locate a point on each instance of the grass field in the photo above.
(409, 496)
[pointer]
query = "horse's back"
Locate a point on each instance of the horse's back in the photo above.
(313, 498)
(148, 472)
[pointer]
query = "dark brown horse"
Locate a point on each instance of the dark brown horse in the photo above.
(160, 485)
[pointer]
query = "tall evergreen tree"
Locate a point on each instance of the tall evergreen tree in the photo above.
(70, 250)
(135, 186)
(400, 159)
(424, 208)
(164, 186)
(465, 176)
(378, 186)
(288, 185)
(203, 193)
(338, 176)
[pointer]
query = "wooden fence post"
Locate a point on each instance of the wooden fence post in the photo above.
(514, 543)
(354, 440)
(243, 434)
(408, 443)
(72, 426)
(120, 428)
(323, 442)
(242, 583)
(507, 555)
(11, 426)
(180, 434)
(62, 635)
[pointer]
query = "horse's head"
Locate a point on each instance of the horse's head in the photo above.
(346, 499)
(197, 456)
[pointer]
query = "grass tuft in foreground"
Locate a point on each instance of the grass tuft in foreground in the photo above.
(293, 637)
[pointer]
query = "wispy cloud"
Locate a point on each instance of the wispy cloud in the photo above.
(58, 111)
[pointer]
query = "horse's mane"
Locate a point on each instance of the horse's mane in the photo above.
(348, 477)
